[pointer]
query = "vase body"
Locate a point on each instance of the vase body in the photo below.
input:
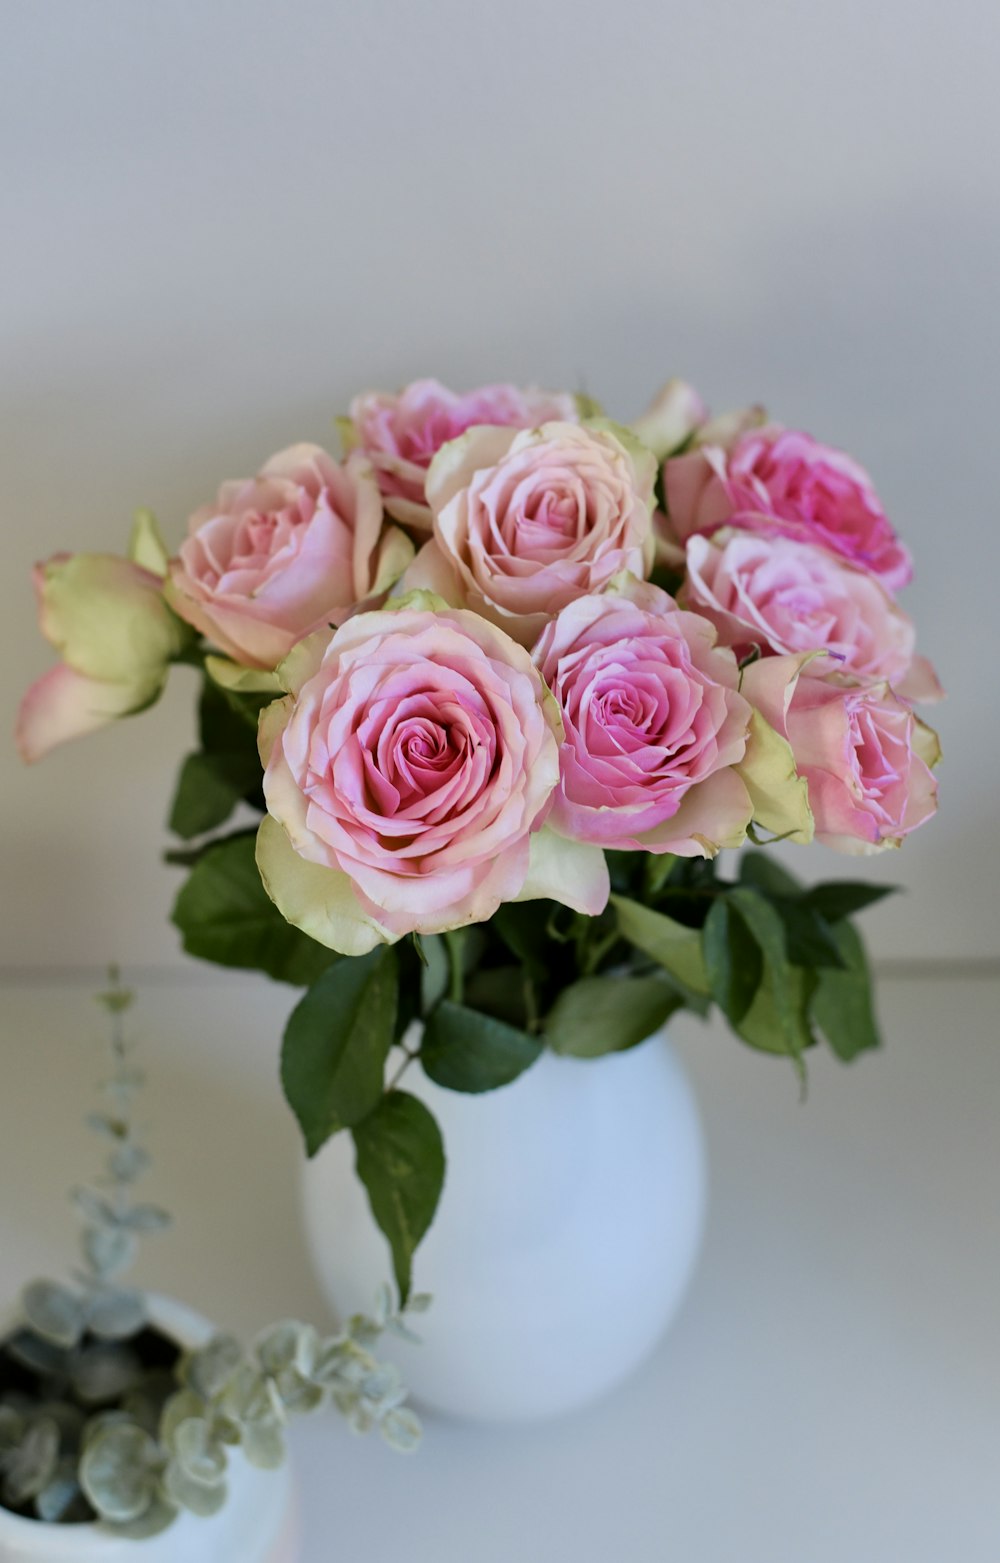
(566, 1235)
(257, 1524)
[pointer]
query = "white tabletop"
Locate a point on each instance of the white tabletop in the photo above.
(830, 1393)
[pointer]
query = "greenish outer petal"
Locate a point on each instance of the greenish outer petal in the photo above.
(303, 661)
(574, 873)
(244, 681)
(642, 458)
(146, 547)
(109, 620)
(395, 554)
(270, 725)
(457, 461)
(780, 796)
(320, 901)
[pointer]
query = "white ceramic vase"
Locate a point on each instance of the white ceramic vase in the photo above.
(567, 1232)
(256, 1525)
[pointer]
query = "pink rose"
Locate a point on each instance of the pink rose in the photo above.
(785, 596)
(775, 480)
(408, 778)
(865, 756)
(402, 434)
(107, 618)
(524, 522)
(278, 556)
(654, 725)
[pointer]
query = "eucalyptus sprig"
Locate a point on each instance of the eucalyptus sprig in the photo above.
(102, 1417)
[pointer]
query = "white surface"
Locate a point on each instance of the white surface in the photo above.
(573, 1209)
(223, 218)
(257, 1524)
(829, 1394)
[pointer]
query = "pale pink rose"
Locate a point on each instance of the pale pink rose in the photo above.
(672, 417)
(411, 771)
(778, 481)
(784, 596)
(107, 618)
(654, 725)
(864, 754)
(402, 434)
(278, 556)
(524, 522)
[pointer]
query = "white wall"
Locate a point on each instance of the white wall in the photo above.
(221, 217)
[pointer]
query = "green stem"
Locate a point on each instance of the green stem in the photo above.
(453, 945)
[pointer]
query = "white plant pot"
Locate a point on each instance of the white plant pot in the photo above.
(567, 1232)
(256, 1525)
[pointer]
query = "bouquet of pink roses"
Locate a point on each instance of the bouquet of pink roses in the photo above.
(503, 682)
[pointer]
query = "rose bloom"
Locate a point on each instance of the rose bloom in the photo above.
(785, 596)
(776, 480)
(116, 637)
(865, 756)
(654, 725)
(402, 434)
(408, 777)
(283, 554)
(524, 522)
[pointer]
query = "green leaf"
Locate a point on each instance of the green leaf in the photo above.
(842, 898)
(225, 915)
(809, 939)
(776, 1020)
(733, 958)
(676, 948)
(842, 1004)
(465, 1050)
(599, 1015)
(400, 1161)
(785, 990)
(435, 972)
(762, 870)
(336, 1044)
(205, 797)
(117, 1471)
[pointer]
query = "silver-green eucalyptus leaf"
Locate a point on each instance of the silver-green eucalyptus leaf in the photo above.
(208, 1370)
(28, 1468)
(180, 1408)
(118, 1472)
(402, 1430)
(128, 1162)
(38, 1355)
(104, 1372)
(97, 1209)
(288, 1345)
(201, 1498)
(116, 1313)
(59, 1494)
(299, 1395)
(199, 1454)
(145, 1218)
(108, 1249)
(54, 1312)
(264, 1444)
(160, 1515)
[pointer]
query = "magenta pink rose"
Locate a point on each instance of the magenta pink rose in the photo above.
(654, 725)
(278, 556)
(785, 596)
(865, 756)
(408, 779)
(402, 434)
(778, 481)
(526, 521)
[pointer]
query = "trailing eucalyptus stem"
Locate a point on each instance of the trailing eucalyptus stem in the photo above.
(103, 1417)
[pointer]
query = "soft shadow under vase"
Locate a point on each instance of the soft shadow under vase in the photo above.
(565, 1239)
